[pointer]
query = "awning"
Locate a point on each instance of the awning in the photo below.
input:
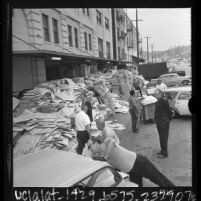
(48, 54)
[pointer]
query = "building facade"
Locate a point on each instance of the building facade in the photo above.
(125, 39)
(56, 43)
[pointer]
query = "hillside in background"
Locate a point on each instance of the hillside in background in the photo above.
(178, 58)
(176, 52)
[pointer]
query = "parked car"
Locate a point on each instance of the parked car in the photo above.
(172, 79)
(56, 168)
(178, 99)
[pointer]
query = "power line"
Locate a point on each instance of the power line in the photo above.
(137, 32)
(152, 45)
(147, 48)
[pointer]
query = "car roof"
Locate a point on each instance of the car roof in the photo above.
(53, 168)
(178, 89)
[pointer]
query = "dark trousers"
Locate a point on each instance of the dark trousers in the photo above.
(144, 168)
(82, 138)
(134, 119)
(163, 131)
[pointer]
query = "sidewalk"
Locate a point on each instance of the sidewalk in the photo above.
(178, 166)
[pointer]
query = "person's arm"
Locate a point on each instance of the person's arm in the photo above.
(164, 86)
(88, 128)
(87, 123)
(167, 108)
(134, 103)
(109, 144)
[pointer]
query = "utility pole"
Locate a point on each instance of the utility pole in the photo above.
(137, 32)
(148, 48)
(152, 56)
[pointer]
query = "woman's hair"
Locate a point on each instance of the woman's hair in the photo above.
(132, 92)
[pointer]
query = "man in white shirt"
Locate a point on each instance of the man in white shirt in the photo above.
(137, 166)
(161, 86)
(82, 126)
(107, 132)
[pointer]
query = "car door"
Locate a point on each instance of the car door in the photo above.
(167, 79)
(182, 103)
(172, 80)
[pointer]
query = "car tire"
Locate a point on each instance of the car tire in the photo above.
(174, 113)
(185, 82)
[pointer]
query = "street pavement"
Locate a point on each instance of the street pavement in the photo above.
(178, 166)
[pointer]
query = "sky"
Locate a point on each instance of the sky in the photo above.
(166, 27)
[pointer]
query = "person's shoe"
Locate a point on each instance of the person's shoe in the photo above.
(162, 156)
(159, 153)
(136, 131)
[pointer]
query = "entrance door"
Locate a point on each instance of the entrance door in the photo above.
(52, 70)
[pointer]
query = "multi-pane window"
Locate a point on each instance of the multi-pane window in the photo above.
(98, 16)
(85, 40)
(118, 32)
(87, 11)
(100, 47)
(46, 27)
(55, 30)
(70, 40)
(106, 23)
(90, 44)
(108, 50)
(76, 37)
(119, 53)
(122, 53)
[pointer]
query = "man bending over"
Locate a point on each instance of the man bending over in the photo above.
(136, 165)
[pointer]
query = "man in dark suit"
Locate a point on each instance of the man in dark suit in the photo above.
(163, 116)
(87, 102)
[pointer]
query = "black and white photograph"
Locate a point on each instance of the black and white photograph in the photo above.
(101, 97)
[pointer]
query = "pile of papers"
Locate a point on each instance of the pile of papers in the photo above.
(42, 117)
(148, 100)
(41, 130)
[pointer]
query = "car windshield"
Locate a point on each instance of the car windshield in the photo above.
(184, 96)
(106, 177)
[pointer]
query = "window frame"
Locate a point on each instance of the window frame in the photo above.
(70, 36)
(119, 52)
(76, 37)
(90, 42)
(118, 32)
(184, 93)
(88, 13)
(107, 23)
(46, 30)
(98, 17)
(85, 41)
(57, 30)
(100, 46)
(83, 11)
(108, 53)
